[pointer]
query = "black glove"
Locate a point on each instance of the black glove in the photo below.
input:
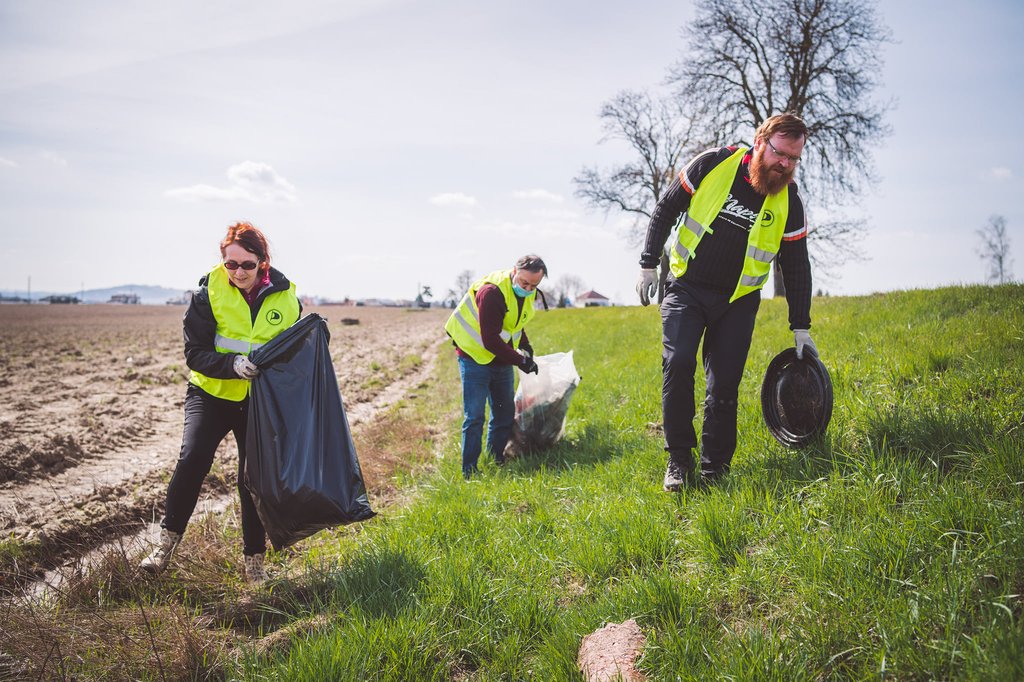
(529, 366)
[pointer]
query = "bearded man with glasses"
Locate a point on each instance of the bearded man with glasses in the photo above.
(735, 210)
(241, 304)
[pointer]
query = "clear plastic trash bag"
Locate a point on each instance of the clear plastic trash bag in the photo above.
(542, 402)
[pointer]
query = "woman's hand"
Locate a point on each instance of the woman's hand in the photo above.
(244, 368)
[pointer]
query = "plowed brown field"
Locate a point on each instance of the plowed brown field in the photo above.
(91, 408)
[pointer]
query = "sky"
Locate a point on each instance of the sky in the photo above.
(386, 145)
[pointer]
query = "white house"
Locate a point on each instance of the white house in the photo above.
(591, 298)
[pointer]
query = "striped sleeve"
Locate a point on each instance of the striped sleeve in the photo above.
(796, 223)
(676, 201)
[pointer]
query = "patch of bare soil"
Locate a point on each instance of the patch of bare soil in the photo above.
(610, 653)
(91, 410)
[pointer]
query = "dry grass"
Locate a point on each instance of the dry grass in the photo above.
(109, 621)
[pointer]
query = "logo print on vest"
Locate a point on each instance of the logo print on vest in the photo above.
(767, 218)
(274, 316)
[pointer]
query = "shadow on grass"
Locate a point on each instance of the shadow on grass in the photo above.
(783, 467)
(936, 437)
(164, 629)
(596, 444)
(379, 583)
(946, 441)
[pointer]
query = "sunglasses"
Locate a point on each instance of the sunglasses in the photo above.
(245, 265)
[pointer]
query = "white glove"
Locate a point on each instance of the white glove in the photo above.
(244, 368)
(802, 339)
(647, 285)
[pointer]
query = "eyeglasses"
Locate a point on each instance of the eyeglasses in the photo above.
(792, 159)
(245, 265)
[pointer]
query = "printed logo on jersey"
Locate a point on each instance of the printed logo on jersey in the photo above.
(767, 218)
(274, 316)
(738, 214)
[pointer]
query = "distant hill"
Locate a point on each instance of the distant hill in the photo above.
(148, 295)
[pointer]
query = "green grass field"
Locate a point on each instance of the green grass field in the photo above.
(894, 548)
(891, 549)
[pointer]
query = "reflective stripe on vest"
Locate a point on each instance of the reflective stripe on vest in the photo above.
(464, 323)
(235, 345)
(707, 201)
(237, 332)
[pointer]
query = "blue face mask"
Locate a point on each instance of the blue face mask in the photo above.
(521, 292)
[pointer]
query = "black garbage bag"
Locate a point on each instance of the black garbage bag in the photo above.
(301, 464)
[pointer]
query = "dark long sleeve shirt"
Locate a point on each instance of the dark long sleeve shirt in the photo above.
(491, 304)
(718, 259)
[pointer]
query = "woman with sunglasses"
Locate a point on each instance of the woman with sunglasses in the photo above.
(240, 305)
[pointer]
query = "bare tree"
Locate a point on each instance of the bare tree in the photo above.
(463, 281)
(566, 288)
(662, 133)
(818, 59)
(995, 250)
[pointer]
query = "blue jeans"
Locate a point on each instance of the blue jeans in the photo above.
(482, 384)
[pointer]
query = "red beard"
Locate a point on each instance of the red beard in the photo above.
(768, 180)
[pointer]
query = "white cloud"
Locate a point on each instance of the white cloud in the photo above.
(550, 227)
(541, 194)
(7, 162)
(563, 215)
(247, 181)
(54, 158)
(1000, 173)
(453, 199)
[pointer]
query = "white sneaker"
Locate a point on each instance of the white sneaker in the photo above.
(255, 573)
(158, 559)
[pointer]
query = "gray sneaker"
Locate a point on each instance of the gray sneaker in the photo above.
(158, 559)
(255, 573)
(676, 476)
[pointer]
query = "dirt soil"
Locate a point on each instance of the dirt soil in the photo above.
(91, 403)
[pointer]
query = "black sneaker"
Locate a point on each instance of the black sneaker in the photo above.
(676, 476)
(711, 477)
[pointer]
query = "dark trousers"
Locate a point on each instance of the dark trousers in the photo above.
(688, 313)
(207, 421)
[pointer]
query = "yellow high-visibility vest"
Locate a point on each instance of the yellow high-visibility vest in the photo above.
(765, 235)
(464, 323)
(236, 331)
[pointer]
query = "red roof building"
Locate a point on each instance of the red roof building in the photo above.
(589, 299)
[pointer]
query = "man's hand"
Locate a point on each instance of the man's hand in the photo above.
(244, 368)
(647, 285)
(802, 339)
(529, 366)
